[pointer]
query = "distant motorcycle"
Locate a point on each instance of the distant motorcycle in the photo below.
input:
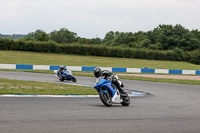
(65, 75)
(109, 93)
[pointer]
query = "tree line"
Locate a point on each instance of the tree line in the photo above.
(14, 36)
(163, 37)
(100, 50)
(62, 36)
(165, 42)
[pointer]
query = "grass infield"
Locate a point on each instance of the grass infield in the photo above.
(8, 86)
(36, 58)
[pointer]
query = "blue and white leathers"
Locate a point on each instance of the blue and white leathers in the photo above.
(107, 87)
(66, 75)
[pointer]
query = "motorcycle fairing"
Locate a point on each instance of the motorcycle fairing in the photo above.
(67, 74)
(105, 83)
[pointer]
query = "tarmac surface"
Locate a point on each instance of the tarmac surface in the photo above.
(175, 108)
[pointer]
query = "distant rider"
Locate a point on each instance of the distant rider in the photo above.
(98, 72)
(61, 69)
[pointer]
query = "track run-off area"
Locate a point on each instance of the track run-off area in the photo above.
(174, 108)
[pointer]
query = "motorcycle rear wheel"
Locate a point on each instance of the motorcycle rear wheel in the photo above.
(73, 79)
(61, 79)
(106, 99)
(126, 100)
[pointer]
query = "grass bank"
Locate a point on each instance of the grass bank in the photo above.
(36, 58)
(8, 86)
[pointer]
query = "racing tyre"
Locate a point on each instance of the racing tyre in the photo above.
(105, 98)
(126, 100)
(73, 79)
(61, 79)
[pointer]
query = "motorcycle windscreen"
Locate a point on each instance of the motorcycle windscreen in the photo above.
(98, 79)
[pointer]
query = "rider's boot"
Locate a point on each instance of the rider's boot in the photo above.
(59, 74)
(120, 89)
(118, 86)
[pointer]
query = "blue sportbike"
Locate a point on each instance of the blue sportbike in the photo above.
(109, 93)
(65, 75)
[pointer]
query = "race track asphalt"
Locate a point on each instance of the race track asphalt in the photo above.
(175, 108)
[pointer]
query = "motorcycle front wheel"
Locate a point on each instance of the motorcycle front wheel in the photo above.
(126, 100)
(105, 98)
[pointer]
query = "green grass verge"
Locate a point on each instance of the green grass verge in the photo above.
(8, 86)
(35, 58)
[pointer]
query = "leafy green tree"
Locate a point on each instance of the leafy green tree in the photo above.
(38, 35)
(196, 33)
(42, 36)
(63, 36)
(123, 38)
(27, 38)
(168, 37)
(88, 41)
(96, 40)
(109, 36)
(127, 39)
(84, 41)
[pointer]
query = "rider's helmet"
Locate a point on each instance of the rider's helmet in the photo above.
(61, 67)
(97, 72)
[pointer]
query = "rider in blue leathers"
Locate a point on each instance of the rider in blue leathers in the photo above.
(106, 74)
(61, 69)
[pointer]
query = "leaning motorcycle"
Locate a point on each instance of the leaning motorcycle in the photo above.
(109, 93)
(65, 75)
